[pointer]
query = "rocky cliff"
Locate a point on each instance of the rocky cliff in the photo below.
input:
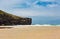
(9, 19)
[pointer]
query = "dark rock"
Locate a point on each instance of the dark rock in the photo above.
(9, 19)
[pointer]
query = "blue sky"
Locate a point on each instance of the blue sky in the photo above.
(41, 11)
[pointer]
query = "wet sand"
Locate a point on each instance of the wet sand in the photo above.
(30, 32)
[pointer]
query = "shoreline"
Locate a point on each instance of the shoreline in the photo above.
(30, 32)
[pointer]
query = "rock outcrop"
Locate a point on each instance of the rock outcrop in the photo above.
(9, 19)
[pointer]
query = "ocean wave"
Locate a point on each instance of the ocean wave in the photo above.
(45, 25)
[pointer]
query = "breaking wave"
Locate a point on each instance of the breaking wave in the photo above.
(45, 25)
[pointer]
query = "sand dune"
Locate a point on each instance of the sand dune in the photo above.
(30, 32)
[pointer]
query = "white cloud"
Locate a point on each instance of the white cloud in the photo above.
(24, 12)
(8, 3)
(53, 5)
(35, 10)
(48, 0)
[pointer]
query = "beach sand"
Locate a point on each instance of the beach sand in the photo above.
(31, 32)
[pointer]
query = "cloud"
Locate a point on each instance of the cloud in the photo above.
(48, 0)
(27, 3)
(30, 7)
(53, 5)
(34, 12)
(46, 3)
(24, 12)
(8, 3)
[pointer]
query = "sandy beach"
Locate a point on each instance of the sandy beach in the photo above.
(30, 32)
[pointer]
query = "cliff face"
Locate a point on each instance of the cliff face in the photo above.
(9, 19)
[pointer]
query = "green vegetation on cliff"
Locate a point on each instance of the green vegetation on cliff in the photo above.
(9, 19)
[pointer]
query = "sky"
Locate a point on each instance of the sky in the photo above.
(41, 11)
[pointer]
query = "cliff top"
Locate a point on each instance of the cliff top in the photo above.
(10, 15)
